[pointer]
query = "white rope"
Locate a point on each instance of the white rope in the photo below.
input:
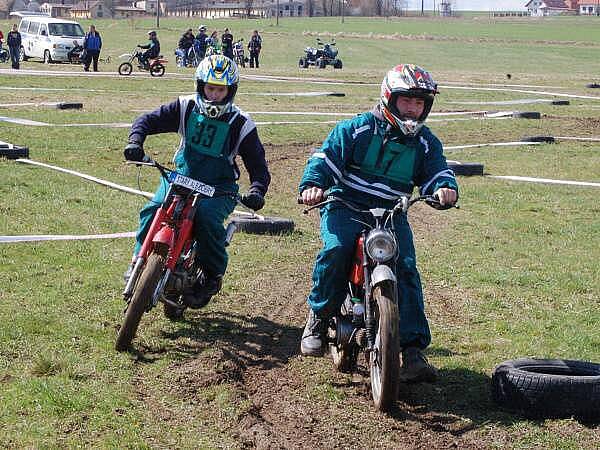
(63, 237)
(545, 180)
(493, 144)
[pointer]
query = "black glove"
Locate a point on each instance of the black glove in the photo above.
(134, 152)
(253, 199)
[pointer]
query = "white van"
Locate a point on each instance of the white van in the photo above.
(48, 38)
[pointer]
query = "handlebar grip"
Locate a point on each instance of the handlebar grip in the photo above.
(299, 200)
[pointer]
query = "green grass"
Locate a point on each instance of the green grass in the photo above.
(513, 273)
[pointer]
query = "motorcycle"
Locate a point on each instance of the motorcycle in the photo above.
(238, 53)
(193, 56)
(368, 319)
(155, 66)
(4, 55)
(165, 269)
(321, 57)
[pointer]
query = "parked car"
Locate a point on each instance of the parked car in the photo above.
(48, 38)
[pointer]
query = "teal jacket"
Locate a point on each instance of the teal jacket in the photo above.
(341, 164)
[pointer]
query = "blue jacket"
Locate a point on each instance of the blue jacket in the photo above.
(243, 139)
(338, 164)
(92, 41)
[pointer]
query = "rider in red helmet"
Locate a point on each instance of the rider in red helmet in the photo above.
(371, 160)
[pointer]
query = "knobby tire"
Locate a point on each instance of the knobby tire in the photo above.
(142, 294)
(384, 387)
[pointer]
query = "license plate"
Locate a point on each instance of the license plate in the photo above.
(191, 184)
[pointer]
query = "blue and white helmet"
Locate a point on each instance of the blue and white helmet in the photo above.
(217, 70)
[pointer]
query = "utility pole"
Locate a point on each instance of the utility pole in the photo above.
(422, 8)
(157, 13)
(341, 7)
(277, 14)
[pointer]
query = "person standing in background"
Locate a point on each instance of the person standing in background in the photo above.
(13, 39)
(227, 43)
(92, 43)
(254, 47)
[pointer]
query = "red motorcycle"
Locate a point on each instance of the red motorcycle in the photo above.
(165, 269)
(368, 320)
(156, 66)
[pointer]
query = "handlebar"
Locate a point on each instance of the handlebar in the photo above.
(402, 204)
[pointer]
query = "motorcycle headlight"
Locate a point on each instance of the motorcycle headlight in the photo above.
(381, 245)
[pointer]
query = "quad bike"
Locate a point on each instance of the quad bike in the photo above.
(320, 57)
(238, 53)
(155, 66)
(368, 320)
(165, 268)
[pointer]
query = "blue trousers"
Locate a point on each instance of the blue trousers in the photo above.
(330, 276)
(208, 228)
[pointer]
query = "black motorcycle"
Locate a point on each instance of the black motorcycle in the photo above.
(4, 55)
(323, 55)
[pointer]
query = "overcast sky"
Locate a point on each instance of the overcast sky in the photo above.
(474, 5)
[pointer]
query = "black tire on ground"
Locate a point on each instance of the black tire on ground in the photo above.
(22, 56)
(142, 294)
(593, 85)
(548, 388)
(527, 115)
(336, 94)
(157, 70)
(68, 105)
(548, 139)
(385, 367)
(125, 68)
(47, 58)
(321, 63)
(466, 169)
(337, 64)
(561, 102)
(15, 152)
(270, 225)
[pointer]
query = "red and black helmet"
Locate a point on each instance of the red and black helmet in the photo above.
(406, 80)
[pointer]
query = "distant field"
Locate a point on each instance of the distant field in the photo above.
(513, 273)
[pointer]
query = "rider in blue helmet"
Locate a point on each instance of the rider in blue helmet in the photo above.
(213, 132)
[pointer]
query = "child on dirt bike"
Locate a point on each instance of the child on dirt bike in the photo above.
(213, 132)
(370, 160)
(152, 48)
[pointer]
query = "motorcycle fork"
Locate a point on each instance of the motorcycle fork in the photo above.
(157, 223)
(182, 223)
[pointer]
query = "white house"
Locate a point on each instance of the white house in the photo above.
(589, 8)
(547, 7)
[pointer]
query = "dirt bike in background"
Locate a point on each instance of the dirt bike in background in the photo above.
(4, 55)
(368, 320)
(165, 269)
(238, 53)
(155, 66)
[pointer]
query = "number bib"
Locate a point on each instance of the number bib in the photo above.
(392, 160)
(206, 136)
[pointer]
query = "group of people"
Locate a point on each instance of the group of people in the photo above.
(13, 41)
(204, 45)
(344, 165)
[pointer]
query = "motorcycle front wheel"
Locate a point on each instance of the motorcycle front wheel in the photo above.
(157, 70)
(384, 359)
(142, 295)
(125, 68)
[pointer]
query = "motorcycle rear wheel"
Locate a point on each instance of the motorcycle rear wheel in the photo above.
(384, 360)
(142, 294)
(157, 70)
(125, 68)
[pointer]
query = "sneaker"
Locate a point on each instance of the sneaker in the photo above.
(415, 368)
(313, 335)
(204, 288)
